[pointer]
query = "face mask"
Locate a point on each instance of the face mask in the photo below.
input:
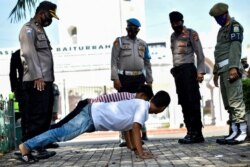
(46, 20)
(245, 66)
(178, 29)
(221, 20)
(132, 32)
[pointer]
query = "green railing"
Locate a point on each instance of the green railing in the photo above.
(10, 134)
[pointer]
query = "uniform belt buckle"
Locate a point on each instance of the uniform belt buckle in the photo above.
(135, 72)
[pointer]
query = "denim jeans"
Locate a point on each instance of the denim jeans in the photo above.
(81, 123)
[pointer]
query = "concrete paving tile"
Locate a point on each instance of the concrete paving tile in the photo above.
(168, 153)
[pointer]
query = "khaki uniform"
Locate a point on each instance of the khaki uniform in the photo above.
(36, 53)
(130, 63)
(183, 47)
(227, 55)
(130, 55)
(38, 64)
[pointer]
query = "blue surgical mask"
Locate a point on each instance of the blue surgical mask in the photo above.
(221, 20)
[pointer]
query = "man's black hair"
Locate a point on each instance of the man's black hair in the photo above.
(161, 99)
(147, 90)
(46, 6)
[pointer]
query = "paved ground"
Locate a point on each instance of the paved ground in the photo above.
(105, 152)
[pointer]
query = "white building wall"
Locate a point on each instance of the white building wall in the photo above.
(98, 21)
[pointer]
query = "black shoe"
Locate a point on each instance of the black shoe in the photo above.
(28, 158)
(18, 153)
(222, 141)
(187, 137)
(234, 142)
(145, 138)
(123, 144)
(44, 154)
(190, 139)
(52, 145)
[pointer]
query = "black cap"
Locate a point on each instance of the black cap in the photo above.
(48, 6)
(175, 16)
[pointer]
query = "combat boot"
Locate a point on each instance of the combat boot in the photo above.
(186, 137)
(241, 136)
(233, 133)
(194, 137)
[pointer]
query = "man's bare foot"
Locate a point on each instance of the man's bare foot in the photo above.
(23, 149)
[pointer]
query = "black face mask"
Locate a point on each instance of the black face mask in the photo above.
(245, 66)
(132, 32)
(46, 20)
(221, 20)
(178, 29)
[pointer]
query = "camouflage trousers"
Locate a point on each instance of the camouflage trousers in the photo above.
(232, 96)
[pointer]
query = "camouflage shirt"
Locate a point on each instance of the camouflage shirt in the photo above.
(229, 45)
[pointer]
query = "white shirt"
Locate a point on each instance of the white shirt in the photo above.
(119, 116)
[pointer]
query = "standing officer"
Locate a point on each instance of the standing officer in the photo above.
(184, 43)
(16, 77)
(38, 75)
(227, 56)
(130, 63)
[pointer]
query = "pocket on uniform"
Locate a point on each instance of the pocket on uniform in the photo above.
(181, 47)
(126, 50)
(141, 50)
(41, 42)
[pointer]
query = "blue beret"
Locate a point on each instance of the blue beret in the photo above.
(133, 22)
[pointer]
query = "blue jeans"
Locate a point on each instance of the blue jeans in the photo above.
(81, 123)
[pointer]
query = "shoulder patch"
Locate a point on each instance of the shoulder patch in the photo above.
(29, 31)
(195, 36)
(236, 32)
(116, 43)
(236, 28)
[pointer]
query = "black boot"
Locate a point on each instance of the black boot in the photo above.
(194, 137)
(232, 134)
(188, 135)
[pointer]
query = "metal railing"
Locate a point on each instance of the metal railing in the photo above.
(9, 133)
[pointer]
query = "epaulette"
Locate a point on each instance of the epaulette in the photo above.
(116, 43)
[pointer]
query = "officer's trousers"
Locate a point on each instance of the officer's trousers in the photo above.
(131, 84)
(232, 96)
(187, 89)
(38, 106)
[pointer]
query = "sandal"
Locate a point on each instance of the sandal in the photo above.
(28, 158)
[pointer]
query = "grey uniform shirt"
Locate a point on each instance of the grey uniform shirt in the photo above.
(36, 53)
(128, 54)
(184, 46)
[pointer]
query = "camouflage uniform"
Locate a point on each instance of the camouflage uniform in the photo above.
(228, 49)
(229, 68)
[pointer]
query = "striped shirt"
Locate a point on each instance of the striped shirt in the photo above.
(114, 97)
